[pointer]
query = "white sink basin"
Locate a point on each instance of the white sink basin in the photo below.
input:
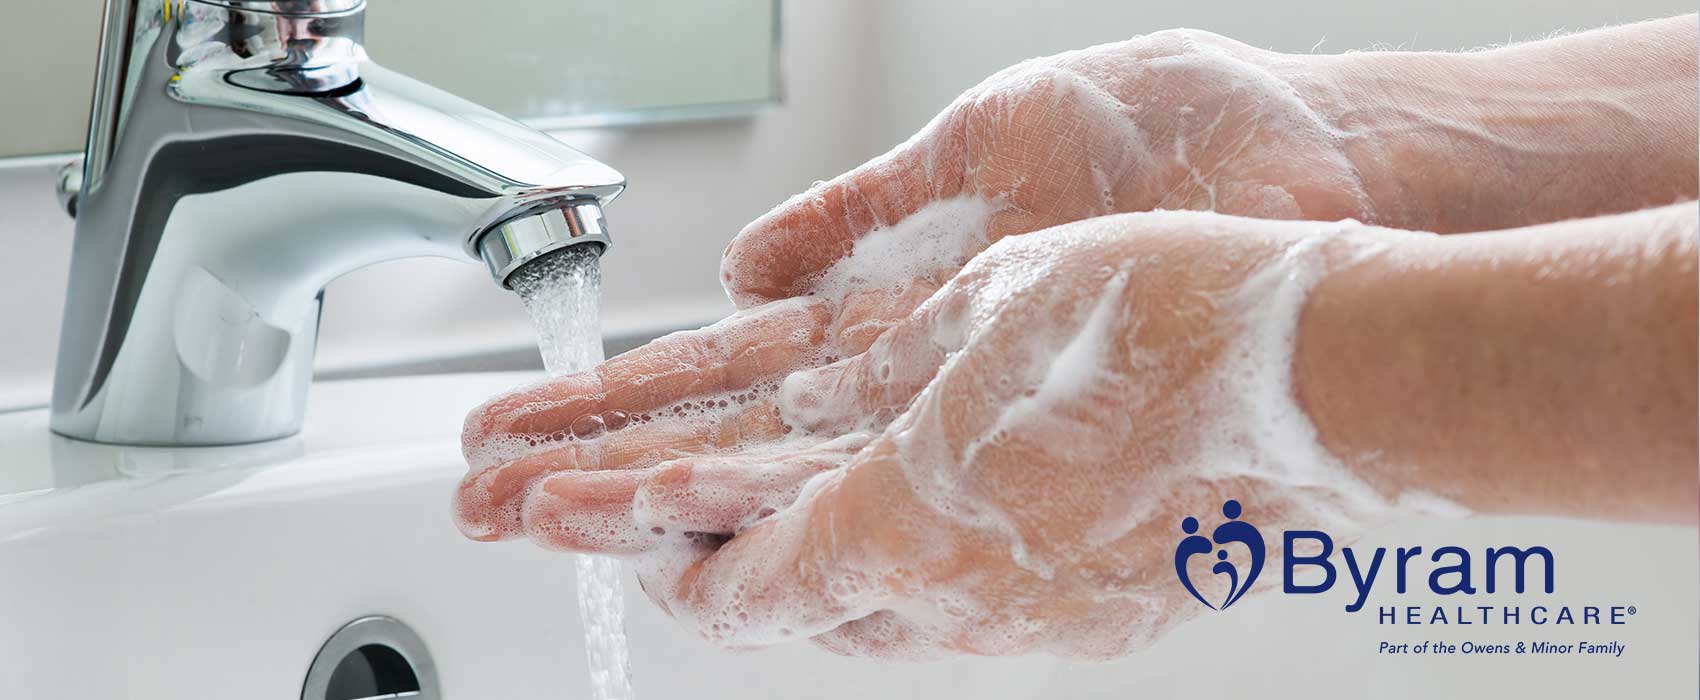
(219, 572)
(156, 573)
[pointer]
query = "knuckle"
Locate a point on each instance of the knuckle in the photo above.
(659, 500)
(673, 476)
(1179, 40)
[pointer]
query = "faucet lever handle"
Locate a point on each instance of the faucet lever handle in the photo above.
(68, 184)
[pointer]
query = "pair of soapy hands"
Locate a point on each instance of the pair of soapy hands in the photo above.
(991, 449)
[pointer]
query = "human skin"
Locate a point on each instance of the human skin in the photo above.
(1549, 370)
(1006, 470)
(1594, 123)
(1289, 137)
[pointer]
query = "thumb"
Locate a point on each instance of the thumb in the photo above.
(865, 392)
(831, 558)
(779, 254)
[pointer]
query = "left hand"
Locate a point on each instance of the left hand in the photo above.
(984, 479)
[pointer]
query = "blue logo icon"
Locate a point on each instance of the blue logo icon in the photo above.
(1235, 530)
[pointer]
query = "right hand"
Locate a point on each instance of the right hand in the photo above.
(1172, 120)
(1184, 119)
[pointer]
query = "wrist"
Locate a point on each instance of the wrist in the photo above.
(1544, 370)
(1579, 126)
(1347, 332)
(1275, 370)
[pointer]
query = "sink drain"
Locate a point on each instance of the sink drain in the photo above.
(372, 658)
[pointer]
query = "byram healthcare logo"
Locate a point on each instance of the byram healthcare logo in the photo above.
(1235, 530)
(1451, 571)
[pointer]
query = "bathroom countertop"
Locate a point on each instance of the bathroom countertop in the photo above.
(344, 418)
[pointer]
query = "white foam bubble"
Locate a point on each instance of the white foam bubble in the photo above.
(1260, 431)
(936, 240)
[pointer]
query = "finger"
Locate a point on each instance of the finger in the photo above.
(629, 511)
(865, 315)
(778, 254)
(835, 556)
(658, 571)
(727, 495)
(589, 512)
(487, 503)
(882, 635)
(865, 392)
(731, 358)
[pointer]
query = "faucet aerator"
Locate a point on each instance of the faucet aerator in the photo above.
(508, 246)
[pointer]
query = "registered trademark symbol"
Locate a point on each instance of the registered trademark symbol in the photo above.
(1632, 610)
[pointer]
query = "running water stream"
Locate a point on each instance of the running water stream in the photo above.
(562, 292)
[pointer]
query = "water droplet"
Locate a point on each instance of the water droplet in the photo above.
(615, 420)
(588, 426)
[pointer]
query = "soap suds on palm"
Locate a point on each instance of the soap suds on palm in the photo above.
(936, 240)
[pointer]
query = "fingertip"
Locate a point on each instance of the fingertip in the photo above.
(743, 274)
(474, 515)
(809, 399)
(474, 430)
(487, 502)
(672, 475)
(480, 430)
(657, 501)
(782, 252)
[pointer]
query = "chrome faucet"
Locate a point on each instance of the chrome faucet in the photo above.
(242, 154)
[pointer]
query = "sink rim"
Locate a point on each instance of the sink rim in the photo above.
(344, 417)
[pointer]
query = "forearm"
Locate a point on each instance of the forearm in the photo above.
(1583, 125)
(1546, 370)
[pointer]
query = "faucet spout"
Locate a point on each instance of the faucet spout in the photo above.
(242, 154)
